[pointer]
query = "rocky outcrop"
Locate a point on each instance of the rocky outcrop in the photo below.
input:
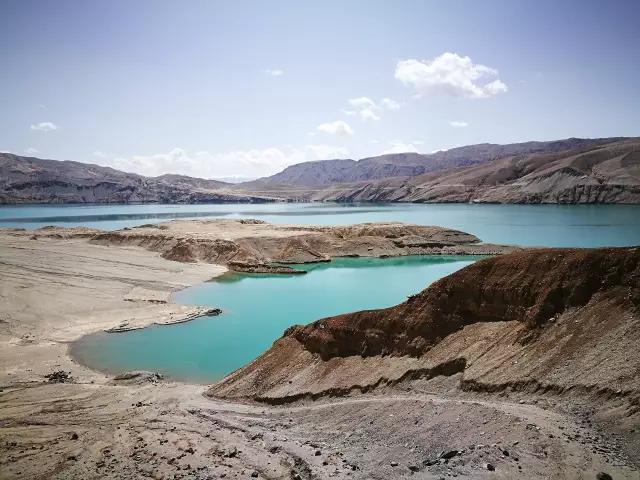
(551, 320)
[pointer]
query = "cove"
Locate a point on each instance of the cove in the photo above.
(256, 311)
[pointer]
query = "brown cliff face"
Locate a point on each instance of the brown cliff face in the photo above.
(531, 287)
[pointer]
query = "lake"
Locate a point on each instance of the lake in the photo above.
(532, 225)
(256, 311)
(258, 308)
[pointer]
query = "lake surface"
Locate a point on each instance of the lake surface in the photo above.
(531, 225)
(256, 311)
(258, 308)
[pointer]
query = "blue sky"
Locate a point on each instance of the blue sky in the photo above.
(218, 89)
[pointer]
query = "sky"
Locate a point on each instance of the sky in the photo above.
(242, 89)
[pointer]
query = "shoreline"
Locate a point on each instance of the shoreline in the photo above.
(145, 300)
(62, 284)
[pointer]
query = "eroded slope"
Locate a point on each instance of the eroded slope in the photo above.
(553, 319)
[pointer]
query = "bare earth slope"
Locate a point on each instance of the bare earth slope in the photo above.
(563, 319)
(601, 174)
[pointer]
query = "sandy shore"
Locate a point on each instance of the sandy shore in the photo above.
(60, 285)
(53, 291)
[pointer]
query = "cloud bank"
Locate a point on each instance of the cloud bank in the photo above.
(204, 164)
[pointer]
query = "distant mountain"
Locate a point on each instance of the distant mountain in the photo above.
(33, 180)
(606, 173)
(602, 170)
(329, 172)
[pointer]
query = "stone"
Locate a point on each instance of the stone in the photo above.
(446, 455)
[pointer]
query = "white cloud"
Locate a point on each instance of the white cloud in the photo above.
(338, 127)
(100, 154)
(390, 104)
(276, 72)
(204, 164)
(450, 74)
(400, 147)
(31, 151)
(458, 124)
(367, 109)
(44, 126)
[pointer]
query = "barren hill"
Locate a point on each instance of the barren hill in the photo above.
(331, 172)
(553, 320)
(602, 174)
(34, 180)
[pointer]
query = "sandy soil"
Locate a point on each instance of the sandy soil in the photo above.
(57, 287)
(54, 291)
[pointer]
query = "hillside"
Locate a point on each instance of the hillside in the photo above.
(33, 180)
(565, 171)
(603, 174)
(329, 172)
(548, 321)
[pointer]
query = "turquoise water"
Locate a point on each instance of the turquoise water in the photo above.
(256, 311)
(533, 225)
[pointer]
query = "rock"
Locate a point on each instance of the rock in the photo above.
(414, 468)
(603, 476)
(394, 464)
(317, 453)
(254, 474)
(446, 455)
(59, 376)
(489, 467)
(137, 377)
(74, 436)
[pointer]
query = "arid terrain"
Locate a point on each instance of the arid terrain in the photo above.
(523, 365)
(569, 171)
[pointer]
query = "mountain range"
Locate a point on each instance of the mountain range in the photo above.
(574, 170)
